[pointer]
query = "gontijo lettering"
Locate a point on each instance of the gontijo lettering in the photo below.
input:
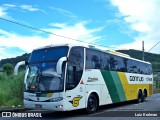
(136, 78)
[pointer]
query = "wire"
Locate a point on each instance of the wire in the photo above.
(154, 46)
(30, 27)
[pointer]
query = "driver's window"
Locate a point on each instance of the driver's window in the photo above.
(75, 67)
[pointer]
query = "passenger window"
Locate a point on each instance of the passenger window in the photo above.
(112, 62)
(105, 64)
(93, 59)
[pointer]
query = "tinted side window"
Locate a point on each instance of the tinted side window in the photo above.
(105, 64)
(101, 60)
(75, 67)
(112, 63)
(93, 59)
(139, 67)
(146, 68)
(120, 66)
(149, 69)
(133, 67)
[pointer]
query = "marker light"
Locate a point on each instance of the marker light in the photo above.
(33, 87)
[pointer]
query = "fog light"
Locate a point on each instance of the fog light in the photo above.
(59, 106)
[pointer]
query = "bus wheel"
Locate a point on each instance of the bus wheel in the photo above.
(145, 94)
(140, 97)
(92, 104)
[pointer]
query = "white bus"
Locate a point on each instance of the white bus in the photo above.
(69, 77)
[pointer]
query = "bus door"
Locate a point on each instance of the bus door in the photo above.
(75, 88)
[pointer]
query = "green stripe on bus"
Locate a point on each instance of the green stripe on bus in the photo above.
(111, 86)
(118, 85)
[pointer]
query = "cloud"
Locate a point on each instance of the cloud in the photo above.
(2, 12)
(58, 25)
(29, 8)
(77, 31)
(9, 5)
(143, 17)
(64, 12)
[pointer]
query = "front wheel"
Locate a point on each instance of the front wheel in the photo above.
(92, 104)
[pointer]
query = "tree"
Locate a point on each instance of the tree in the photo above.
(8, 68)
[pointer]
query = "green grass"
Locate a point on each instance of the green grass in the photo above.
(11, 90)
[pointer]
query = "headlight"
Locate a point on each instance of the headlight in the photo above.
(56, 99)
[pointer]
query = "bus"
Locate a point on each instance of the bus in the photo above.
(70, 77)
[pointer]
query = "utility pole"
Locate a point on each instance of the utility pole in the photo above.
(143, 50)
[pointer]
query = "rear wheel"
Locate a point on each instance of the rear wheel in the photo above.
(140, 97)
(92, 104)
(145, 94)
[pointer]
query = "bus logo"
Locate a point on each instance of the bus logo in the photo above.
(136, 78)
(75, 101)
(92, 79)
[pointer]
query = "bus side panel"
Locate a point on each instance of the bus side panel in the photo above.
(131, 87)
(75, 98)
(111, 86)
(95, 83)
(126, 87)
(118, 84)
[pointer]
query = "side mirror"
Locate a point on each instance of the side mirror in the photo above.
(17, 66)
(59, 65)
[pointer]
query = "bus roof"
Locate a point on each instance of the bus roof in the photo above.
(94, 48)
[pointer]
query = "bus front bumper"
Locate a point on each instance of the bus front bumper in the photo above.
(55, 106)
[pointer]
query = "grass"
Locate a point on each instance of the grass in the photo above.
(11, 90)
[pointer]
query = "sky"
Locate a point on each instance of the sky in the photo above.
(115, 24)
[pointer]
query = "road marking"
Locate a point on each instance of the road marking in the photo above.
(139, 103)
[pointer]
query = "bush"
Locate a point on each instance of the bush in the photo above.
(8, 69)
(11, 90)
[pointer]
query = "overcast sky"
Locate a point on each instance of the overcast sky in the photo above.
(118, 24)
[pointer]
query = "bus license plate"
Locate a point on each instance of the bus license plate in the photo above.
(38, 106)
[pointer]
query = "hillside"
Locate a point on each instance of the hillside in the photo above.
(153, 58)
(15, 60)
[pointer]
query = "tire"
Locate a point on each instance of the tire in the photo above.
(140, 97)
(92, 104)
(145, 95)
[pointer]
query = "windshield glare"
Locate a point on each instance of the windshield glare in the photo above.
(43, 79)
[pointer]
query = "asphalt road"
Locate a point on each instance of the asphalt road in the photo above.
(128, 110)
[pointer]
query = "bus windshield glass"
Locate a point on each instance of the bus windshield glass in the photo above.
(42, 75)
(48, 54)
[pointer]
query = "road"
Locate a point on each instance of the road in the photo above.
(121, 111)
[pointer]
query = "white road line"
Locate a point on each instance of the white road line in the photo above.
(140, 103)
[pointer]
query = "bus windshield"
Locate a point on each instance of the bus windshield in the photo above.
(48, 54)
(42, 75)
